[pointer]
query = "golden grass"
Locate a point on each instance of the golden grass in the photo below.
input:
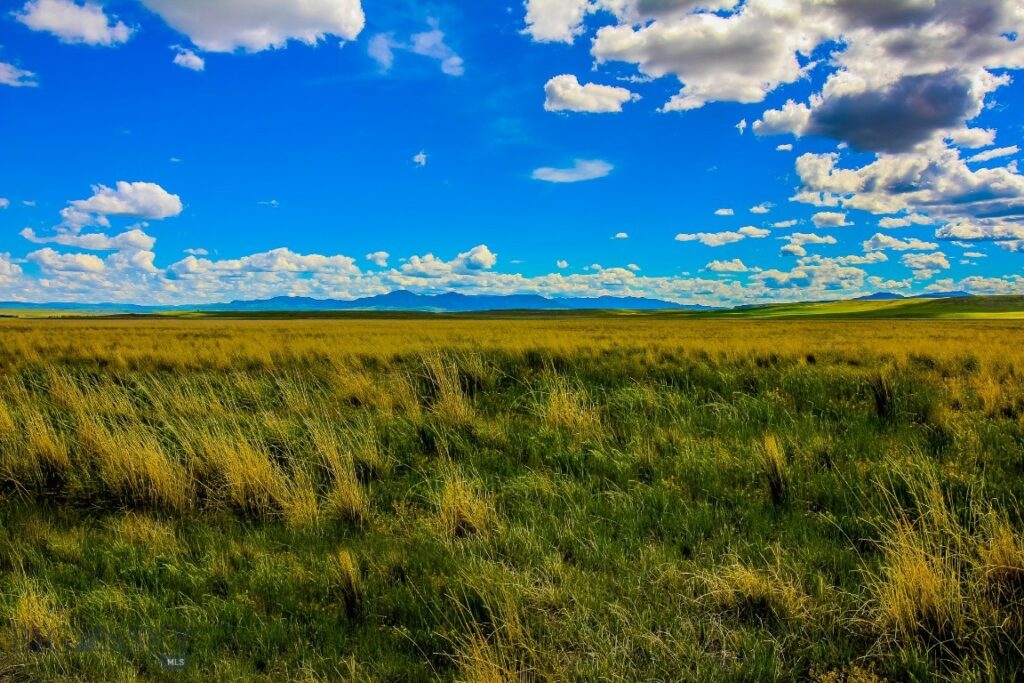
(462, 508)
(350, 581)
(452, 403)
(569, 408)
(253, 482)
(776, 468)
(757, 595)
(134, 466)
(37, 621)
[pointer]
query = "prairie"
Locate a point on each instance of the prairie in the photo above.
(636, 497)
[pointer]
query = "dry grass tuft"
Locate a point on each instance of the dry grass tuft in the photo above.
(755, 595)
(451, 403)
(570, 408)
(37, 622)
(252, 481)
(134, 467)
(776, 469)
(350, 582)
(461, 507)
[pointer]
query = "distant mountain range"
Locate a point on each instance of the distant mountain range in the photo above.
(449, 302)
(400, 300)
(883, 296)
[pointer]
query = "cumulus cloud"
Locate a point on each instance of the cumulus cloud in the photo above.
(431, 44)
(4, 202)
(256, 25)
(581, 170)
(762, 208)
(621, 236)
(881, 242)
(188, 59)
(899, 116)
(926, 266)
(980, 230)
(74, 23)
(904, 221)
(733, 266)
(739, 57)
(935, 181)
(15, 77)
(477, 260)
(281, 260)
(725, 212)
(420, 159)
(711, 239)
(785, 224)
(130, 240)
(135, 199)
(378, 258)
(784, 148)
(830, 219)
(565, 93)
(796, 241)
(973, 138)
(562, 264)
(51, 261)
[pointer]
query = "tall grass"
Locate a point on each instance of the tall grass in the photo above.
(578, 499)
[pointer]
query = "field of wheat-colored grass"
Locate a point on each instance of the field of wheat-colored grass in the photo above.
(616, 498)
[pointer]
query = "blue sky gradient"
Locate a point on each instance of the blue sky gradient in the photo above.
(288, 166)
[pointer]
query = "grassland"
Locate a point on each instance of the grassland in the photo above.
(617, 498)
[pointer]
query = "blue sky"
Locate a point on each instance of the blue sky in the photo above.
(703, 151)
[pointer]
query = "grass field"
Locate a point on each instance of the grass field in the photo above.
(619, 498)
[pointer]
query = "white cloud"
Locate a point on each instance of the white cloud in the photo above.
(991, 154)
(633, 267)
(555, 20)
(140, 200)
(130, 240)
(621, 236)
(711, 239)
(755, 232)
(562, 264)
(4, 202)
(431, 44)
(581, 170)
(378, 258)
(742, 126)
(565, 93)
(786, 224)
(725, 212)
(926, 266)
(476, 260)
(51, 261)
(256, 25)
(881, 241)
(796, 241)
(733, 266)
(904, 221)
(980, 230)
(197, 252)
(420, 158)
(830, 219)
(15, 77)
(188, 59)
(784, 148)
(973, 138)
(739, 57)
(73, 23)
(280, 260)
(762, 208)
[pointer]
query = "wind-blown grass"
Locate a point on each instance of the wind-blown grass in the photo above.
(578, 499)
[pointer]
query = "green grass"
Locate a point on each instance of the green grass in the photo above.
(614, 508)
